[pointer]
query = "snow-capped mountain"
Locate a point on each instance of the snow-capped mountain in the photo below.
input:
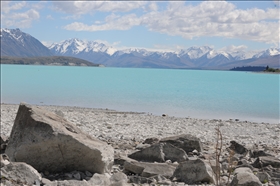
(76, 46)
(195, 52)
(193, 57)
(241, 55)
(14, 42)
(17, 43)
(267, 53)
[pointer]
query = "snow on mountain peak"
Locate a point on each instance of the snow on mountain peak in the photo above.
(268, 52)
(15, 34)
(76, 46)
(195, 52)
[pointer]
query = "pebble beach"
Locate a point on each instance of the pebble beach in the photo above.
(121, 127)
(127, 132)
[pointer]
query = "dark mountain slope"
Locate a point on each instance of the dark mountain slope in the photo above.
(14, 42)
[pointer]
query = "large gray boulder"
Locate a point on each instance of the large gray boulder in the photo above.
(21, 173)
(186, 142)
(160, 152)
(194, 171)
(48, 142)
(245, 177)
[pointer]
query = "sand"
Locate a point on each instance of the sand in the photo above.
(114, 126)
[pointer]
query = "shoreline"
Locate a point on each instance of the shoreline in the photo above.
(193, 115)
(116, 126)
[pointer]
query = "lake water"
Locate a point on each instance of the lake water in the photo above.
(184, 93)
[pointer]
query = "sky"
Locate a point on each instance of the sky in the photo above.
(153, 25)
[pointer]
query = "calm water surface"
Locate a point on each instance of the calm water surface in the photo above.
(183, 93)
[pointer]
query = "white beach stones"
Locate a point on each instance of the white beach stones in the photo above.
(148, 150)
(48, 142)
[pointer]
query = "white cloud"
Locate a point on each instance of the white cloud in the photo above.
(233, 48)
(21, 20)
(74, 17)
(18, 15)
(50, 17)
(113, 22)
(7, 7)
(152, 7)
(214, 18)
(209, 18)
(85, 7)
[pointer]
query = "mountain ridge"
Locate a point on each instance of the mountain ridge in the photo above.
(193, 57)
(203, 57)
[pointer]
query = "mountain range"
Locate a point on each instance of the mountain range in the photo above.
(17, 43)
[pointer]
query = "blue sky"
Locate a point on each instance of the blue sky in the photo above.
(157, 25)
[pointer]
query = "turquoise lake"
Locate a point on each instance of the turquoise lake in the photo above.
(184, 93)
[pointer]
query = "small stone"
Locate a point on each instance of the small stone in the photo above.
(89, 174)
(77, 176)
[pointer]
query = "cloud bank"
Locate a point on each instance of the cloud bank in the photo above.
(209, 18)
(205, 19)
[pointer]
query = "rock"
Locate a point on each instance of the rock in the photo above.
(194, 171)
(159, 178)
(151, 141)
(215, 167)
(50, 143)
(160, 152)
(118, 179)
(77, 176)
(134, 166)
(99, 180)
(258, 153)
(72, 183)
(154, 169)
(186, 142)
(245, 178)
(264, 161)
(263, 177)
(238, 148)
(3, 144)
(4, 160)
(47, 182)
(242, 170)
(174, 153)
(89, 174)
(120, 158)
(20, 172)
(3, 138)
(142, 146)
(140, 180)
(146, 169)
(150, 154)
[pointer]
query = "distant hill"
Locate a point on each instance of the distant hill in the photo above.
(272, 61)
(249, 68)
(48, 60)
(14, 42)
